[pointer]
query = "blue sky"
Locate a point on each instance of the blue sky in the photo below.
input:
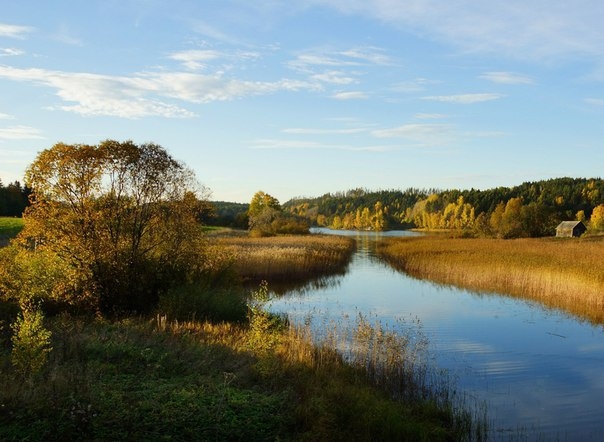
(301, 98)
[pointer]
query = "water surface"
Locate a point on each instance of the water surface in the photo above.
(540, 372)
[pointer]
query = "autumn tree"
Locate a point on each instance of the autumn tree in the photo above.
(266, 217)
(597, 218)
(123, 217)
(263, 210)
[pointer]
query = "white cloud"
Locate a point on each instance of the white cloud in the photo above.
(507, 78)
(20, 133)
(14, 31)
(424, 134)
(334, 77)
(352, 95)
(10, 52)
(143, 94)
(354, 57)
(195, 59)
(5, 116)
(464, 98)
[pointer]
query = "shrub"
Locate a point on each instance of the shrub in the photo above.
(31, 342)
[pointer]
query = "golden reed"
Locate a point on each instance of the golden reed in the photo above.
(566, 274)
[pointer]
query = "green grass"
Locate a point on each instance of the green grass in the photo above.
(155, 379)
(9, 228)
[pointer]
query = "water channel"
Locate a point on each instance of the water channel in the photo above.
(538, 372)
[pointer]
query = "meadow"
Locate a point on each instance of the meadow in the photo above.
(9, 228)
(562, 273)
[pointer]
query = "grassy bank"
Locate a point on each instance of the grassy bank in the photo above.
(286, 258)
(260, 378)
(567, 274)
(164, 380)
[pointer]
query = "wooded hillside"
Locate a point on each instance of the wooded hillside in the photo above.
(530, 209)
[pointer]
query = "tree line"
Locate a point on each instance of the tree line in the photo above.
(13, 198)
(531, 209)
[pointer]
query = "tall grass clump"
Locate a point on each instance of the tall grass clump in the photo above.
(287, 258)
(566, 274)
(376, 381)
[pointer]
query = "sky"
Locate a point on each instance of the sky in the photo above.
(305, 97)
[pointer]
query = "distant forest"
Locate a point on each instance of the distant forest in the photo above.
(529, 210)
(14, 198)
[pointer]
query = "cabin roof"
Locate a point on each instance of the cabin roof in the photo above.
(568, 224)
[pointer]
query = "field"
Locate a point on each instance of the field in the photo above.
(562, 273)
(9, 227)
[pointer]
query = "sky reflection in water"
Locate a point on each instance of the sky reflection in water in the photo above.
(541, 372)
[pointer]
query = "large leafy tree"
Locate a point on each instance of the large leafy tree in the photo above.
(124, 217)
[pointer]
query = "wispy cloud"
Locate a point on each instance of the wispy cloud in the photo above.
(464, 98)
(334, 77)
(539, 29)
(353, 57)
(20, 133)
(196, 58)
(144, 94)
(314, 145)
(310, 131)
(6, 116)
(352, 95)
(14, 31)
(10, 52)
(424, 134)
(507, 78)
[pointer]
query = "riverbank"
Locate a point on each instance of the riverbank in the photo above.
(256, 378)
(566, 274)
(153, 380)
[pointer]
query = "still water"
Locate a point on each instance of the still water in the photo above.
(538, 372)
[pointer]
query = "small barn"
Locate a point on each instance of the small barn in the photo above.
(570, 229)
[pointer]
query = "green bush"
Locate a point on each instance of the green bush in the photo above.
(31, 342)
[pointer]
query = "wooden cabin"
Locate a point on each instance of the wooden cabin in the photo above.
(570, 229)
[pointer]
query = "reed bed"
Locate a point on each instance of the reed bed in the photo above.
(286, 258)
(566, 274)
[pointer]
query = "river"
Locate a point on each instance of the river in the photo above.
(539, 373)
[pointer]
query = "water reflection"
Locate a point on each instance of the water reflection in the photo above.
(539, 370)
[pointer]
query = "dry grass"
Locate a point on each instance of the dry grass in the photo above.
(286, 258)
(566, 274)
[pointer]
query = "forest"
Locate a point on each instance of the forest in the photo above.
(13, 198)
(532, 209)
